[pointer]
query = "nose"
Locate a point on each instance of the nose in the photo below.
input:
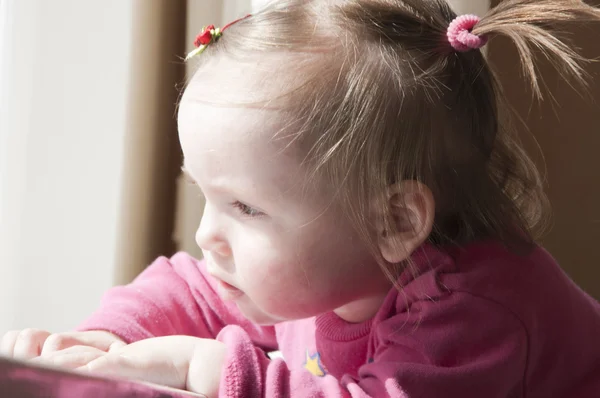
(210, 235)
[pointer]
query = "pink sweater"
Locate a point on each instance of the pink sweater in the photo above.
(476, 322)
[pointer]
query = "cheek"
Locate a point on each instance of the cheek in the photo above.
(280, 262)
(265, 273)
(284, 287)
(300, 273)
(294, 286)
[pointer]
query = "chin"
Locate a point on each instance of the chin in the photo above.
(258, 317)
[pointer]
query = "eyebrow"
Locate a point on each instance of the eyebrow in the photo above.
(191, 180)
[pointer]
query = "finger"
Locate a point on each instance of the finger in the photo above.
(115, 346)
(70, 358)
(7, 345)
(111, 364)
(135, 368)
(97, 339)
(29, 343)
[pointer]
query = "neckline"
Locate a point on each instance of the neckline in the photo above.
(332, 327)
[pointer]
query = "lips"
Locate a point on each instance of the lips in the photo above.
(228, 291)
(226, 285)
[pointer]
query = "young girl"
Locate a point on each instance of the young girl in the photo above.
(369, 214)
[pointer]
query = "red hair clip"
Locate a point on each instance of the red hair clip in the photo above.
(208, 35)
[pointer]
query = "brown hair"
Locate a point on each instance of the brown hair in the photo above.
(383, 97)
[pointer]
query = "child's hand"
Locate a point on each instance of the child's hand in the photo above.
(31, 343)
(182, 362)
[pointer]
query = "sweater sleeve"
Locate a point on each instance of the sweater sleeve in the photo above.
(171, 296)
(459, 346)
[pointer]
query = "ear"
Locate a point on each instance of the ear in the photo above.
(411, 206)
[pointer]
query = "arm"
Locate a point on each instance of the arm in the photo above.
(459, 346)
(171, 296)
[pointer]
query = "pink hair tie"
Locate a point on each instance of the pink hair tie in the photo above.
(460, 36)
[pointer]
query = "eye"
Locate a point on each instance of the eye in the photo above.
(247, 210)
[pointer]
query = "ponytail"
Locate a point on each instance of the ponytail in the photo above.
(539, 24)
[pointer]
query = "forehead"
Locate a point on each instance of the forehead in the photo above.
(236, 118)
(241, 146)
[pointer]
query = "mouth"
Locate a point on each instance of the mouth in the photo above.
(227, 285)
(226, 290)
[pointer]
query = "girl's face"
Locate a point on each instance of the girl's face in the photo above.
(277, 243)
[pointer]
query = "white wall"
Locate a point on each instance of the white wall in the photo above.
(64, 66)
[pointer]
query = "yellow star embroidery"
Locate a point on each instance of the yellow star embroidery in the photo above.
(313, 364)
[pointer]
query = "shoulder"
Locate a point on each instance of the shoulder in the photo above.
(490, 268)
(450, 332)
(446, 320)
(483, 277)
(487, 305)
(485, 269)
(487, 284)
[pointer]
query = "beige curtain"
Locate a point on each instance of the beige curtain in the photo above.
(151, 147)
(160, 212)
